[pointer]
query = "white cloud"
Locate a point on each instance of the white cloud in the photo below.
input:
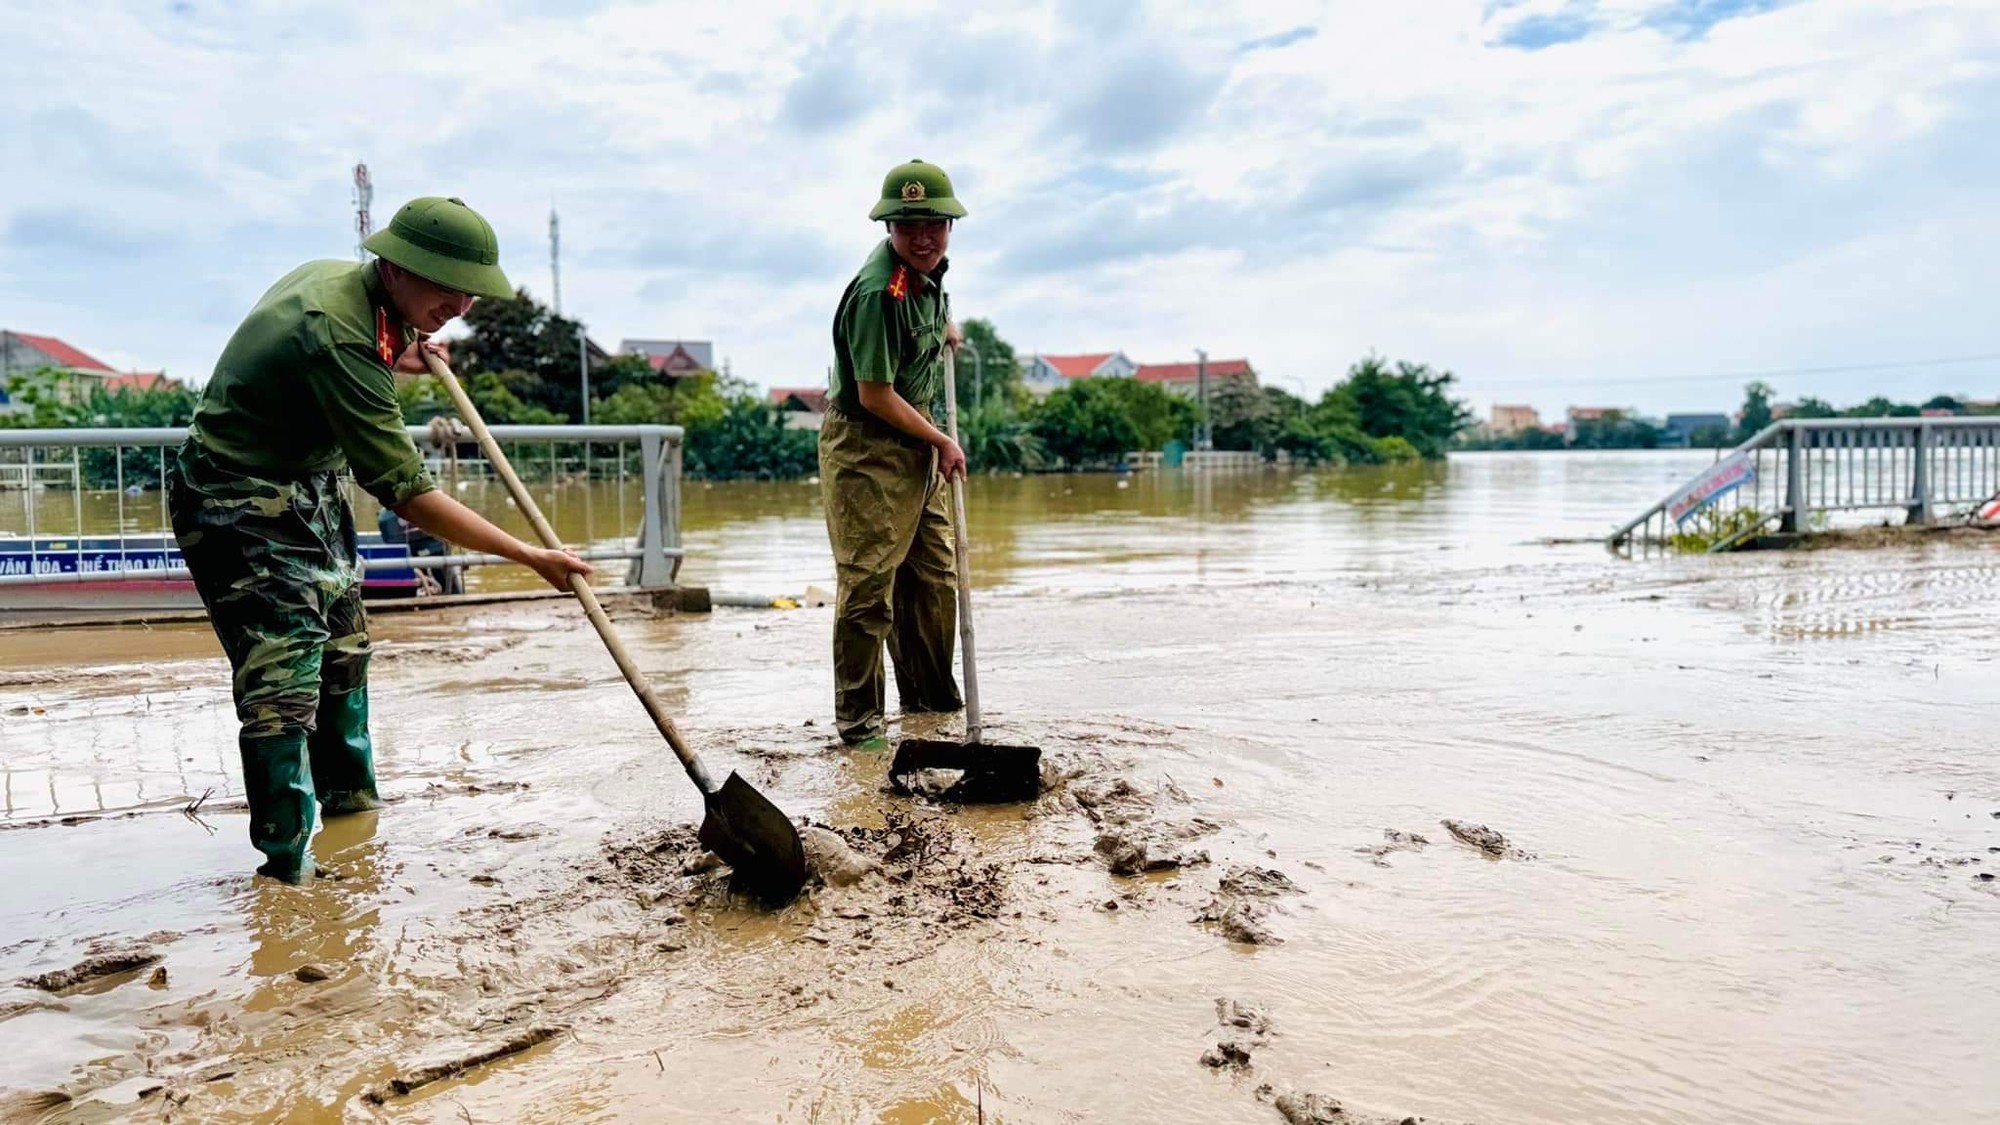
(1559, 199)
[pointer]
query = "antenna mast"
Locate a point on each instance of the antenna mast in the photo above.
(364, 194)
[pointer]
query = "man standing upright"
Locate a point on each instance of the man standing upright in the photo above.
(302, 393)
(884, 464)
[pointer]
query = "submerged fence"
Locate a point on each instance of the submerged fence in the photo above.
(85, 505)
(1797, 474)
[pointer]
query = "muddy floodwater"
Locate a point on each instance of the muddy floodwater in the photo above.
(1371, 787)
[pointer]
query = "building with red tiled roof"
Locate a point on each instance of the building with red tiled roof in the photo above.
(138, 381)
(1185, 378)
(804, 408)
(22, 352)
(1041, 374)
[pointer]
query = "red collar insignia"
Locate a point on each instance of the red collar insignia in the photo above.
(387, 345)
(899, 282)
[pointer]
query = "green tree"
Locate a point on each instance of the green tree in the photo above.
(750, 439)
(1245, 416)
(1810, 407)
(56, 399)
(1944, 402)
(1756, 411)
(1879, 407)
(1614, 430)
(1086, 424)
(1157, 415)
(1411, 401)
(993, 376)
(536, 356)
(996, 440)
(1711, 437)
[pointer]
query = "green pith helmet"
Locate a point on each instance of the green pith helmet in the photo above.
(442, 240)
(917, 191)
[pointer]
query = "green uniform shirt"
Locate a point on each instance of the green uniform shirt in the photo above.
(304, 385)
(890, 329)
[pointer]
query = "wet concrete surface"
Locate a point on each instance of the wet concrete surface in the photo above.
(1743, 803)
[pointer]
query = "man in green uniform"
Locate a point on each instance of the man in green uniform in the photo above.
(302, 392)
(884, 463)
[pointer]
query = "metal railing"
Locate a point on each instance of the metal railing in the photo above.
(1796, 474)
(100, 479)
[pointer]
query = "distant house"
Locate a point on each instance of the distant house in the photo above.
(1508, 421)
(804, 408)
(1680, 429)
(1041, 374)
(21, 353)
(1184, 378)
(139, 381)
(1596, 414)
(673, 358)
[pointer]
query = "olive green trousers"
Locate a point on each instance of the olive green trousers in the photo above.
(888, 518)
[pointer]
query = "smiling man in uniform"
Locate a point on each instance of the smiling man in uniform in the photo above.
(302, 392)
(884, 463)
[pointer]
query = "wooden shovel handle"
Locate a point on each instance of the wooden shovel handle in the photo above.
(961, 557)
(578, 584)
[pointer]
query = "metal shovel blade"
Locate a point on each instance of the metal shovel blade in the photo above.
(990, 774)
(756, 839)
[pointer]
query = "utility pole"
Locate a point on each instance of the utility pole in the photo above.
(555, 262)
(1204, 436)
(583, 370)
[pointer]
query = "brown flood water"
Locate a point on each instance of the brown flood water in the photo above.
(1747, 803)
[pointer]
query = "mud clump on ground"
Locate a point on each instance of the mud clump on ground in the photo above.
(1134, 835)
(452, 1063)
(833, 860)
(1300, 1107)
(1227, 1054)
(1485, 839)
(1235, 1013)
(1242, 906)
(92, 968)
(1393, 842)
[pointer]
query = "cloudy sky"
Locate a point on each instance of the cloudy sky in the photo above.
(1624, 202)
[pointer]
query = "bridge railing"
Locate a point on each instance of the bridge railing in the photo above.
(1796, 474)
(613, 491)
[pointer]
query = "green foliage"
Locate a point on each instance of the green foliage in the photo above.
(1086, 423)
(1756, 410)
(1533, 437)
(996, 440)
(1713, 526)
(1711, 437)
(1614, 430)
(1813, 408)
(1412, 402)
(992, 377)
(56, 399)
(749, 439)
(1879, 407)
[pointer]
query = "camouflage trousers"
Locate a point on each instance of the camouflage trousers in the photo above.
(276, 564)
(888, 519)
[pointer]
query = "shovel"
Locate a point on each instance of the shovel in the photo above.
(751, 834)
(989, 772)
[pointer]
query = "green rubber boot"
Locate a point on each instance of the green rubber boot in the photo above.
(281, 803)
(343, 756)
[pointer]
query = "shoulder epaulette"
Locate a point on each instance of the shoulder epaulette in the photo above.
(899, 282)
